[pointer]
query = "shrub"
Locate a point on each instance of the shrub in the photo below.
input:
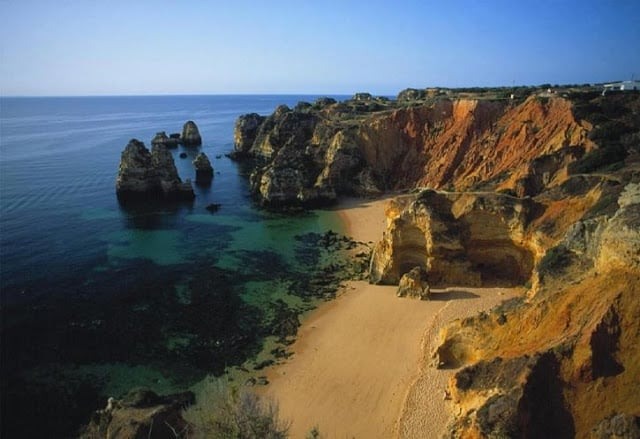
(555, 260)
(598, 158)
(228, 413)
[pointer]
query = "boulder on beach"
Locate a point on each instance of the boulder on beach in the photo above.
(190, 134)
(414, 284)
(149, 176)
(204, 170)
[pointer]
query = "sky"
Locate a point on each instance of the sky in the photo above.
(140, 47)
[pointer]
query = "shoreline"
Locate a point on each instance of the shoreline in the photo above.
(360, 362)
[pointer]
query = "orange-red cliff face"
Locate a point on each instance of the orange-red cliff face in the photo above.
(524, 194)
(464, 143)
(315, 154)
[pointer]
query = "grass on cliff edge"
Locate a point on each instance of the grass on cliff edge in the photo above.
(225, 412)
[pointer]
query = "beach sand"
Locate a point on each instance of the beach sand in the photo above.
(359, 368)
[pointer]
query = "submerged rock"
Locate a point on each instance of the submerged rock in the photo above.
(213, 207)
(204, 170)
(190, 134)
(414, 284)
(144, 175)
(140, 414)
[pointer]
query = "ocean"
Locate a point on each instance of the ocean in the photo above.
(98, 298)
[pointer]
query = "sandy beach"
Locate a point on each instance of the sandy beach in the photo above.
(359, 368)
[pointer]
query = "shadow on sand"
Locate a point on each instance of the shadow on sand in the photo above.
(452, 295)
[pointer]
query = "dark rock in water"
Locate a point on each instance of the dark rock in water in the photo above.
(161, 139)
(214, 207)
(174, 136)
(145, 175)
(183, 155)
(140, 414)
(414, 284)
(190, 134)
(204, 170)
(245, 131)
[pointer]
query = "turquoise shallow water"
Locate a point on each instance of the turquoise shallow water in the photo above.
(97, 298)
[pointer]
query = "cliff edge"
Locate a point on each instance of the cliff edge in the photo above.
(541, 192)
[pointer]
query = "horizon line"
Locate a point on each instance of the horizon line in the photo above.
(592, 84)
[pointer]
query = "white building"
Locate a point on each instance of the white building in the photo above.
(623, 86)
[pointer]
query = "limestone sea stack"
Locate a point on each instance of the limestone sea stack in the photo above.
(190, 134)
(204, 170)
(150, 176)
(161, 138)
(245, 132)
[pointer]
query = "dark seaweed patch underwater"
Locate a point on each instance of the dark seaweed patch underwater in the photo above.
(98, 299)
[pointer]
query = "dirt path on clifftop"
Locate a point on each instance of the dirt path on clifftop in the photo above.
(359, 359)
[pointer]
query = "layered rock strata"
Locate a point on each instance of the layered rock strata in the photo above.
(150, 176)
(461, 239)
(367, 145)
(563, 363)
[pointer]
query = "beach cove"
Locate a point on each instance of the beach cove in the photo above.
(361, 362)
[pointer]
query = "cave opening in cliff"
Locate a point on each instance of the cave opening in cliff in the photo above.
(500, 264)
(492, 252)
(411, 249)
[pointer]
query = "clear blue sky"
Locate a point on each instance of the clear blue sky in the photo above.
(88, 47)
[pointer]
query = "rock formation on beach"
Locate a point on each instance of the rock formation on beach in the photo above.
(190, 135)
(414, 284)
(538, 191)
(204, 170)
(150, 176)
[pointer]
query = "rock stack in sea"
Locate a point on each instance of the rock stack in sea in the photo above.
(161, 138)
(190, 134)
(204, 170)
(144, 175)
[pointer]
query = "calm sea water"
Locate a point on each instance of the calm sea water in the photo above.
(97, 299)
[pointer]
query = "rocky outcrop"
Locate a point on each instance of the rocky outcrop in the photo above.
(617, 426)
(522, 398)
(414, 284)
(568, 353)
(245, 132)
(367, 145)
(204, 170)
(162, 139)
(411, 94)
(459, 239)
(190, 135)
(149, 176)
(362, 97)
(141, 414)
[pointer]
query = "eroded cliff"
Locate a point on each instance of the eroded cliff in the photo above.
(542, 193)
(314, 153)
